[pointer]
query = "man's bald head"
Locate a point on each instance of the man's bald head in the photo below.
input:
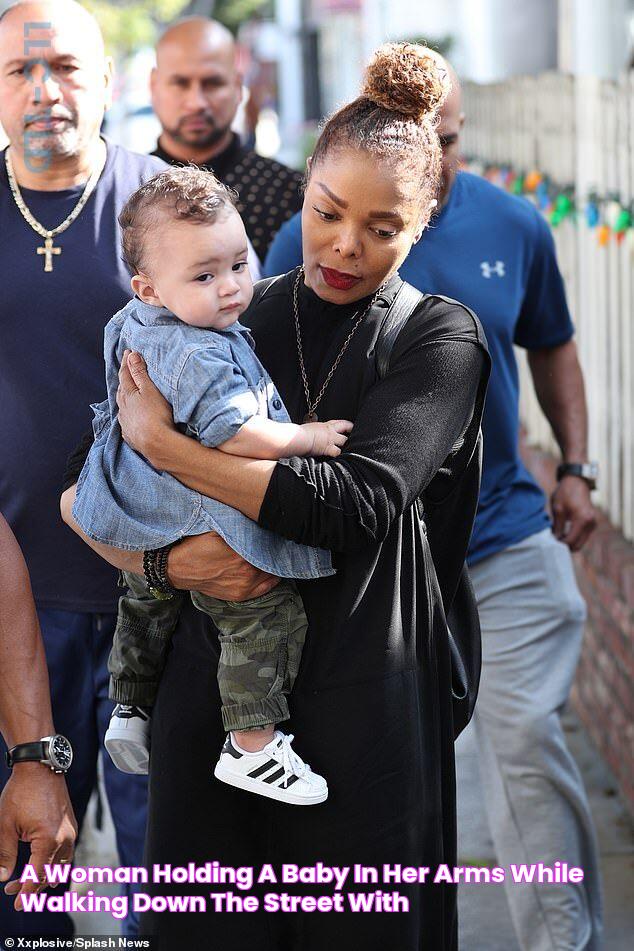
(451, 121)
(452, 106)
(54, 76)
(197, 35)
(61, 14)
(196, 88)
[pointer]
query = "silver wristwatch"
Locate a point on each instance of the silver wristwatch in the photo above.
(53, 751)
(588, 471)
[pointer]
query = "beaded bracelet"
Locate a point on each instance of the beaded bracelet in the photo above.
(155, 571)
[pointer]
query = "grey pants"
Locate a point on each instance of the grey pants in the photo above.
(532, 618)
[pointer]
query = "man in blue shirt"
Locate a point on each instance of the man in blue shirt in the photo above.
(62, 278)
(495, 253)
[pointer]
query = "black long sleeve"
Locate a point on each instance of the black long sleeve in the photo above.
(76, 460)
(405, 429)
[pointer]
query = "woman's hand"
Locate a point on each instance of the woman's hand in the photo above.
(148, 426)
(145, 416)
(206, 563)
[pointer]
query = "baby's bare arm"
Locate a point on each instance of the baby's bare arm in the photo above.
(261, 438)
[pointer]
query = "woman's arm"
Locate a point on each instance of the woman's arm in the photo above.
(147, 425)
(405, 430)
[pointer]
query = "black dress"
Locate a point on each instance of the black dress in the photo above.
(372, 705)
(371, 708)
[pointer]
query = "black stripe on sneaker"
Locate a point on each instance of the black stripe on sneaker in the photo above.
(262, 769)
(291, 780)
(127, 712)
(276, 775)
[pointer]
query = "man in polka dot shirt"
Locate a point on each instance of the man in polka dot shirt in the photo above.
(196, 90)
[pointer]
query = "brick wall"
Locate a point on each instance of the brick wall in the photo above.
(603, 694)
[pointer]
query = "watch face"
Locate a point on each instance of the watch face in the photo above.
(60, 752)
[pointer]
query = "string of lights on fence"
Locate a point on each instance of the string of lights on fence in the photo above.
(604, 213)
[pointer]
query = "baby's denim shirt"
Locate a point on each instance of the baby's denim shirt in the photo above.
(215, 383)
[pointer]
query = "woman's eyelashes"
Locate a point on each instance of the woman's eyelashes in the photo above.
(324, 215)
(382, 233)
(379, 232)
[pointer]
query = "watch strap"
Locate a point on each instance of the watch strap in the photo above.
(583, 470)
(33, 752)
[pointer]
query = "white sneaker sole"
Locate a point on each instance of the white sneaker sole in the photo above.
(127, 755)
(262, 789)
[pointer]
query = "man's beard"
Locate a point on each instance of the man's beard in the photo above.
(40, 144)
(200, 138)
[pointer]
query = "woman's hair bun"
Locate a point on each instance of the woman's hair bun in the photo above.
(406, 78)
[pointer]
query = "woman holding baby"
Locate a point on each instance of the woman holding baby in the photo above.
(373, 700)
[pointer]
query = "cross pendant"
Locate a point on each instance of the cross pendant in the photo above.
(310, 418)
(48, 251)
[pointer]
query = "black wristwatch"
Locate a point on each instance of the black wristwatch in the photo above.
(54, 751)
(588, 471)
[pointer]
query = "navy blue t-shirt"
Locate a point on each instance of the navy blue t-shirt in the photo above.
(495, 253)
(52, 368)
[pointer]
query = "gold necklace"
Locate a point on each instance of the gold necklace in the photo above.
(311, 415)
(50, 233)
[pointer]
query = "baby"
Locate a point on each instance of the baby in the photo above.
(186, 246)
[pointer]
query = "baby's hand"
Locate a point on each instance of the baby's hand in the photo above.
(327, 438)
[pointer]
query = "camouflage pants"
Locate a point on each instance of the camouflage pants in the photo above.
(261, 642)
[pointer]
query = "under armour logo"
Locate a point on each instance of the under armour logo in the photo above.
(489, 269)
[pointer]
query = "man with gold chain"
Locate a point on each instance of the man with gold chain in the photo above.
(61, 279)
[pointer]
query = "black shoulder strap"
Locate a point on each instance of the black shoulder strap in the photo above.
(262, 287)
(448, 514)
(405, 302)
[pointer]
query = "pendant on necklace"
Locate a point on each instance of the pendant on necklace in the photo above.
(310, 418)
(48, 251)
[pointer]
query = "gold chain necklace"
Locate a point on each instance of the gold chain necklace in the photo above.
(311, 415)
(50, 233)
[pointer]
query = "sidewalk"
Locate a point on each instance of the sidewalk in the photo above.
(485, 924)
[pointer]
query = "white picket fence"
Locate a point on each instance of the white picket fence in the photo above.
(580, 133)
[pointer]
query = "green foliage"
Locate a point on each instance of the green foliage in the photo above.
(306, 145)
(234, 12)
(129, 26)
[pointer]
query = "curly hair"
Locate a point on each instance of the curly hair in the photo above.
(396, 115)
(184, 194)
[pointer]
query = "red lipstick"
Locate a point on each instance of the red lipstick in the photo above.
(338, 279)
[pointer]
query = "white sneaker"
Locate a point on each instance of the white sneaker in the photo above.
(127, 738)
(276, 771)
